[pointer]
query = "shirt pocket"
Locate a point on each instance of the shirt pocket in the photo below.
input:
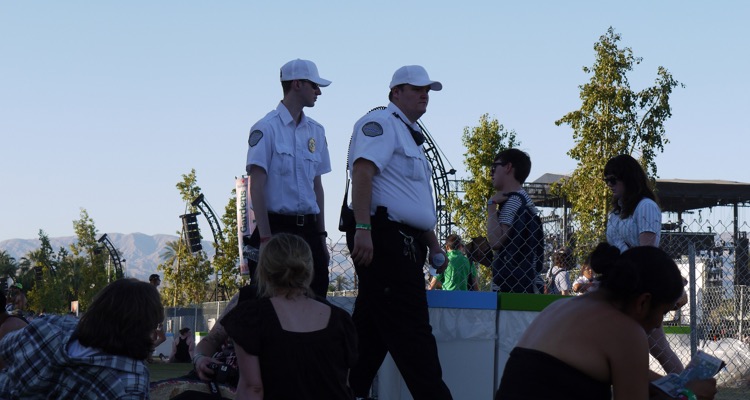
(417, 167)
(311, 163)
(283, 160)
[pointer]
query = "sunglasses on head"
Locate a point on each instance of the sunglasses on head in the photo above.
(610, 180)
(497, 164)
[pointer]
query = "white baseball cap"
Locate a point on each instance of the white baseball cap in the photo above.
(302, 70)
(414, 75)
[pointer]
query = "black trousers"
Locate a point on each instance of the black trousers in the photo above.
(390, 315)
(308, 230)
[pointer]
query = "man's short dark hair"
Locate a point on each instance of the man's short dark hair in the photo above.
(286, 86)
(122, 318)
(154, 277)
(520, 161)
(453, 241)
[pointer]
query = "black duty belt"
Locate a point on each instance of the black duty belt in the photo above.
(289, 220)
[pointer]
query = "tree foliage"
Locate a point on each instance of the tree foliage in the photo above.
(45, 294)
(186, 274)
(482, 143)
(86, 272)
(55, 279)
(8, 265)
(228, 253)
(613, 119)
(469, 212)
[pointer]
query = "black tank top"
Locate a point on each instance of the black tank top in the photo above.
(183, 354)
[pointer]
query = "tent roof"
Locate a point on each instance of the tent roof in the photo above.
(675, 195)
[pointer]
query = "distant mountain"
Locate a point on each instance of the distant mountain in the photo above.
(142, 253)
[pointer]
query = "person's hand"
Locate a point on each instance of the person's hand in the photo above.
(684, 298)
(439, 268)
(704, 389)
(498, 198)
(362, 252)
(201, 367)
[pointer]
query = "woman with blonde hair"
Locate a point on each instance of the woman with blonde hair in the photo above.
(290, 344)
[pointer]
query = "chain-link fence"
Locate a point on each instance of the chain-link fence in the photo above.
(712, 256)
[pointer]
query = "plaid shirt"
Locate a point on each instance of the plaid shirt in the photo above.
(39, 367)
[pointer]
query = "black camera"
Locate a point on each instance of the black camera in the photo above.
(224, 373)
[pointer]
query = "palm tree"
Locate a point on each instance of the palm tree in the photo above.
(8, 265)
(171, 252)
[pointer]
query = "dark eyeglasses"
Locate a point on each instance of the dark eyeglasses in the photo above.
(495, 165)
(610, 180)
(314, 85)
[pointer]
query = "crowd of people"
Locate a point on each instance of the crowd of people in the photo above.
(287, 341)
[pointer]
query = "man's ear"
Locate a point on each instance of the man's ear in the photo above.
(642, 304)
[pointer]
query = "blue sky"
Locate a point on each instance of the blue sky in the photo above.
(104, 105)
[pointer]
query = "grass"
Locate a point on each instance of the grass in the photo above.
(160, 370)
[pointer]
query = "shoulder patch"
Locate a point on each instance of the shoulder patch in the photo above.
(255, 137)
(372, 129)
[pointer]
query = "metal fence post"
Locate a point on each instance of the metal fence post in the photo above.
(693, 302)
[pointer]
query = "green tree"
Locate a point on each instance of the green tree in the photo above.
(8, 265)
(186, 277)
(228, 253)
(613, 119)
(86, 270)
(25, 274)
(469, 212)
(46, 293)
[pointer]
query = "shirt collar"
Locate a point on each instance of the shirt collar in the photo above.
(286, 117)
(393, 108)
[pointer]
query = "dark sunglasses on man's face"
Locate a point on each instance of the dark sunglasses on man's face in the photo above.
(610, 180)
(495, 165)
(314, 85)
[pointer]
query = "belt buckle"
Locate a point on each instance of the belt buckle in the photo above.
(300, 220)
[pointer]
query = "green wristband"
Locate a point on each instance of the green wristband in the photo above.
(365, 227)
(689, 394)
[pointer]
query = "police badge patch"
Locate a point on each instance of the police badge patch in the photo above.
(255, 137)
(372, 129)
(311, 145)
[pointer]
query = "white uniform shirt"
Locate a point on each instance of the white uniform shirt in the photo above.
(624, 233)
(292, 156)
(403, 181)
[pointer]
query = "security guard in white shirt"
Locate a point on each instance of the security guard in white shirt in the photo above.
(395, 220)
(286, 157)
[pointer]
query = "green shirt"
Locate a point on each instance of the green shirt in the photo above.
(456, 274)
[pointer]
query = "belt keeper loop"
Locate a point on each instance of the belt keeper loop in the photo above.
(300, 220)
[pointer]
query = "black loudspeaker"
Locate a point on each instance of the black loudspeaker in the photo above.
(192, 232)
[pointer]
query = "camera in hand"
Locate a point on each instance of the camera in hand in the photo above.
(224, 373)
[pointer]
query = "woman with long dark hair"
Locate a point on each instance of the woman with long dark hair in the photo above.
(595, 346)
(635, 220)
